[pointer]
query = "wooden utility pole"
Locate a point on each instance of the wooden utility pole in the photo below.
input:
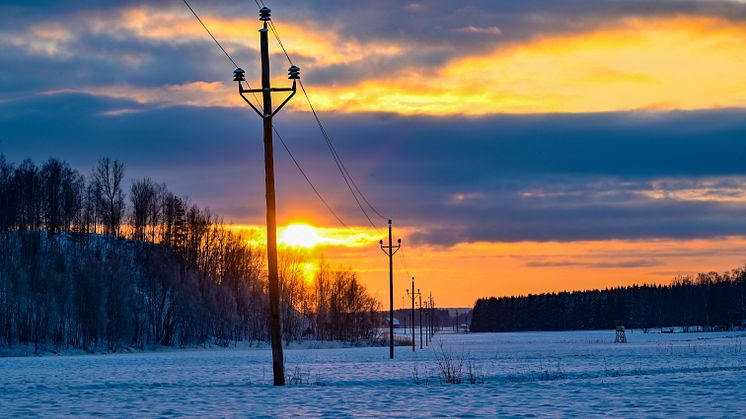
(427, 316)
(432, 316)
(420, 295)
(414, 294)
(390, 250)
(275, 331)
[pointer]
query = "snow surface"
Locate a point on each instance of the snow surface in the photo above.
(525, 374)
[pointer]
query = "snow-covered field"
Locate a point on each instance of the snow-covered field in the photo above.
(524, 374)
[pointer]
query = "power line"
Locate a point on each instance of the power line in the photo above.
(338, 159)
(343, 169)
(216, 42)
(284, 145)
(327, 138)
(210, 33)
(404, 259)
(318, 194)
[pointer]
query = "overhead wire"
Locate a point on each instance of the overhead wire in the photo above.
(326, 135)
(216, 42)
(349, 180)
(337, 159)
(318, 194)
(279, 137)
(210, 33)
(404, 260)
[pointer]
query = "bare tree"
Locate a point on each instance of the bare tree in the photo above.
(73, 189)
(29, 203)
(107, 180)
(8, 196)
(142, 195)
(155, 212)
(293, 293)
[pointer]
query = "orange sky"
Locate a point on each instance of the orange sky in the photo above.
(459, 274)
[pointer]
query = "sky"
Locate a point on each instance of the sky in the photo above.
(519, 147)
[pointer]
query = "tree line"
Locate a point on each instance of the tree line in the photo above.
(706, 301)
(86, 264)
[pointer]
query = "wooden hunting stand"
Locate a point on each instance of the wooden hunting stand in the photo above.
(620, 336)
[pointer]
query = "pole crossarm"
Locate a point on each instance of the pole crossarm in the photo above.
(284, 101)
(271, 89)
(292, 91)
(390, 250)
(241, 92)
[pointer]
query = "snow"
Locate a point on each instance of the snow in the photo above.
(525, 374)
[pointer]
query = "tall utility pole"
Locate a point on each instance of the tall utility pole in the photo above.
(414, 294)
(390, 250)
(266, 114)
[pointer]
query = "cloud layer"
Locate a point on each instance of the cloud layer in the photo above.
(493, 121)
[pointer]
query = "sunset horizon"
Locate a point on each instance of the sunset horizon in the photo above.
(468, 150)
(345, 208)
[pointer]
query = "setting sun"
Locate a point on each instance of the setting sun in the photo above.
(306, 236)
(300, 235)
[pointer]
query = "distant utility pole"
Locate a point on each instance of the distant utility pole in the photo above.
(427, 316)
(414, 294)
(403, 324)
(390, 251)
(266, 114)
(432, 316)
(420, 295)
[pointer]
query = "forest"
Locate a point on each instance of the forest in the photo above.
(86, 263)
(704, 302)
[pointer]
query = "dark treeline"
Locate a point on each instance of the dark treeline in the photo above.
(86, 264)
(708, 301)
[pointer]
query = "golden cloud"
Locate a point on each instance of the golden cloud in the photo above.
(650, 64)
(309, 38)
(671, 63)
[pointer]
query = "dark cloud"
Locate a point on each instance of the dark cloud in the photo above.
(541, 177)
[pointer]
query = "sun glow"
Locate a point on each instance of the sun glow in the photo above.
(300, 235)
